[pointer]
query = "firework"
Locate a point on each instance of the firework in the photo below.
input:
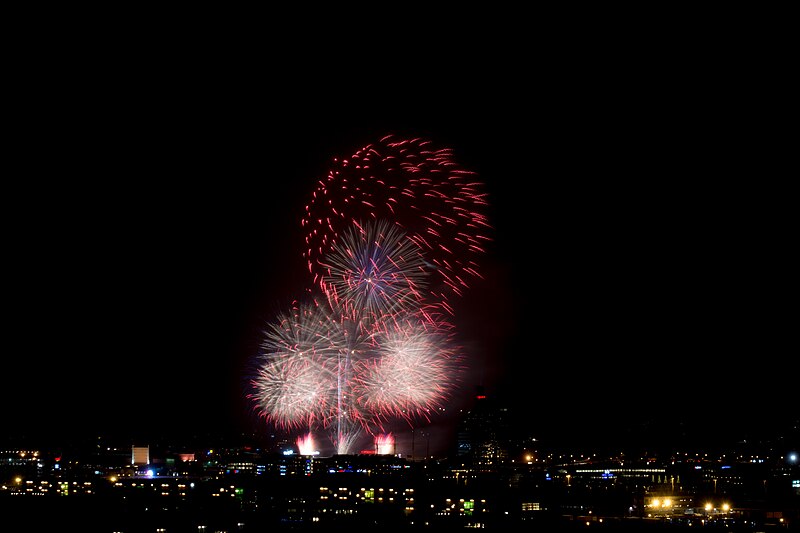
(391, 234)
(306, 445)
(420, 188)
(384, 444)
(321, 371)
(374, 270)
(411, 373)
(296, 384)
(346, 437)
(305, 373)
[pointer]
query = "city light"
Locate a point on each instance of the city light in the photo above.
(222, 479)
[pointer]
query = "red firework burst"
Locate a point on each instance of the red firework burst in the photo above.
(420, 188)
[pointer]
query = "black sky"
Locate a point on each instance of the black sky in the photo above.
(642, 267)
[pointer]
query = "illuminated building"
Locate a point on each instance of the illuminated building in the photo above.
(27, 463)
(483, 434)
(140, 455)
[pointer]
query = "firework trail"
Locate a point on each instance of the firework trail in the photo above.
(346, 438)
(418, 187)
(391, 234)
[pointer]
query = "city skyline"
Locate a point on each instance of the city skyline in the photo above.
(105, 486)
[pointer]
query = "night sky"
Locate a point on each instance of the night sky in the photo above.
(641, 271)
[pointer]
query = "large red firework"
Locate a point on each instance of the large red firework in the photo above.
(415, 185)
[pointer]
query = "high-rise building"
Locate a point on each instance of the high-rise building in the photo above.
(483, 433)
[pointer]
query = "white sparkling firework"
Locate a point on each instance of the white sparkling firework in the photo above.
(346, 439)
(412, 372)
(297, 383)
(374, 270)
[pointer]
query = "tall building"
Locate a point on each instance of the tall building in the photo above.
(484, 433)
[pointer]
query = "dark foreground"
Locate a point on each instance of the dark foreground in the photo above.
(48, 515)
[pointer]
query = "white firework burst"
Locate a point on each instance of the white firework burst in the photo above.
(374, 270)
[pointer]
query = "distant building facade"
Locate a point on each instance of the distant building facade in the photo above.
(140, 455)
(484, 434)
